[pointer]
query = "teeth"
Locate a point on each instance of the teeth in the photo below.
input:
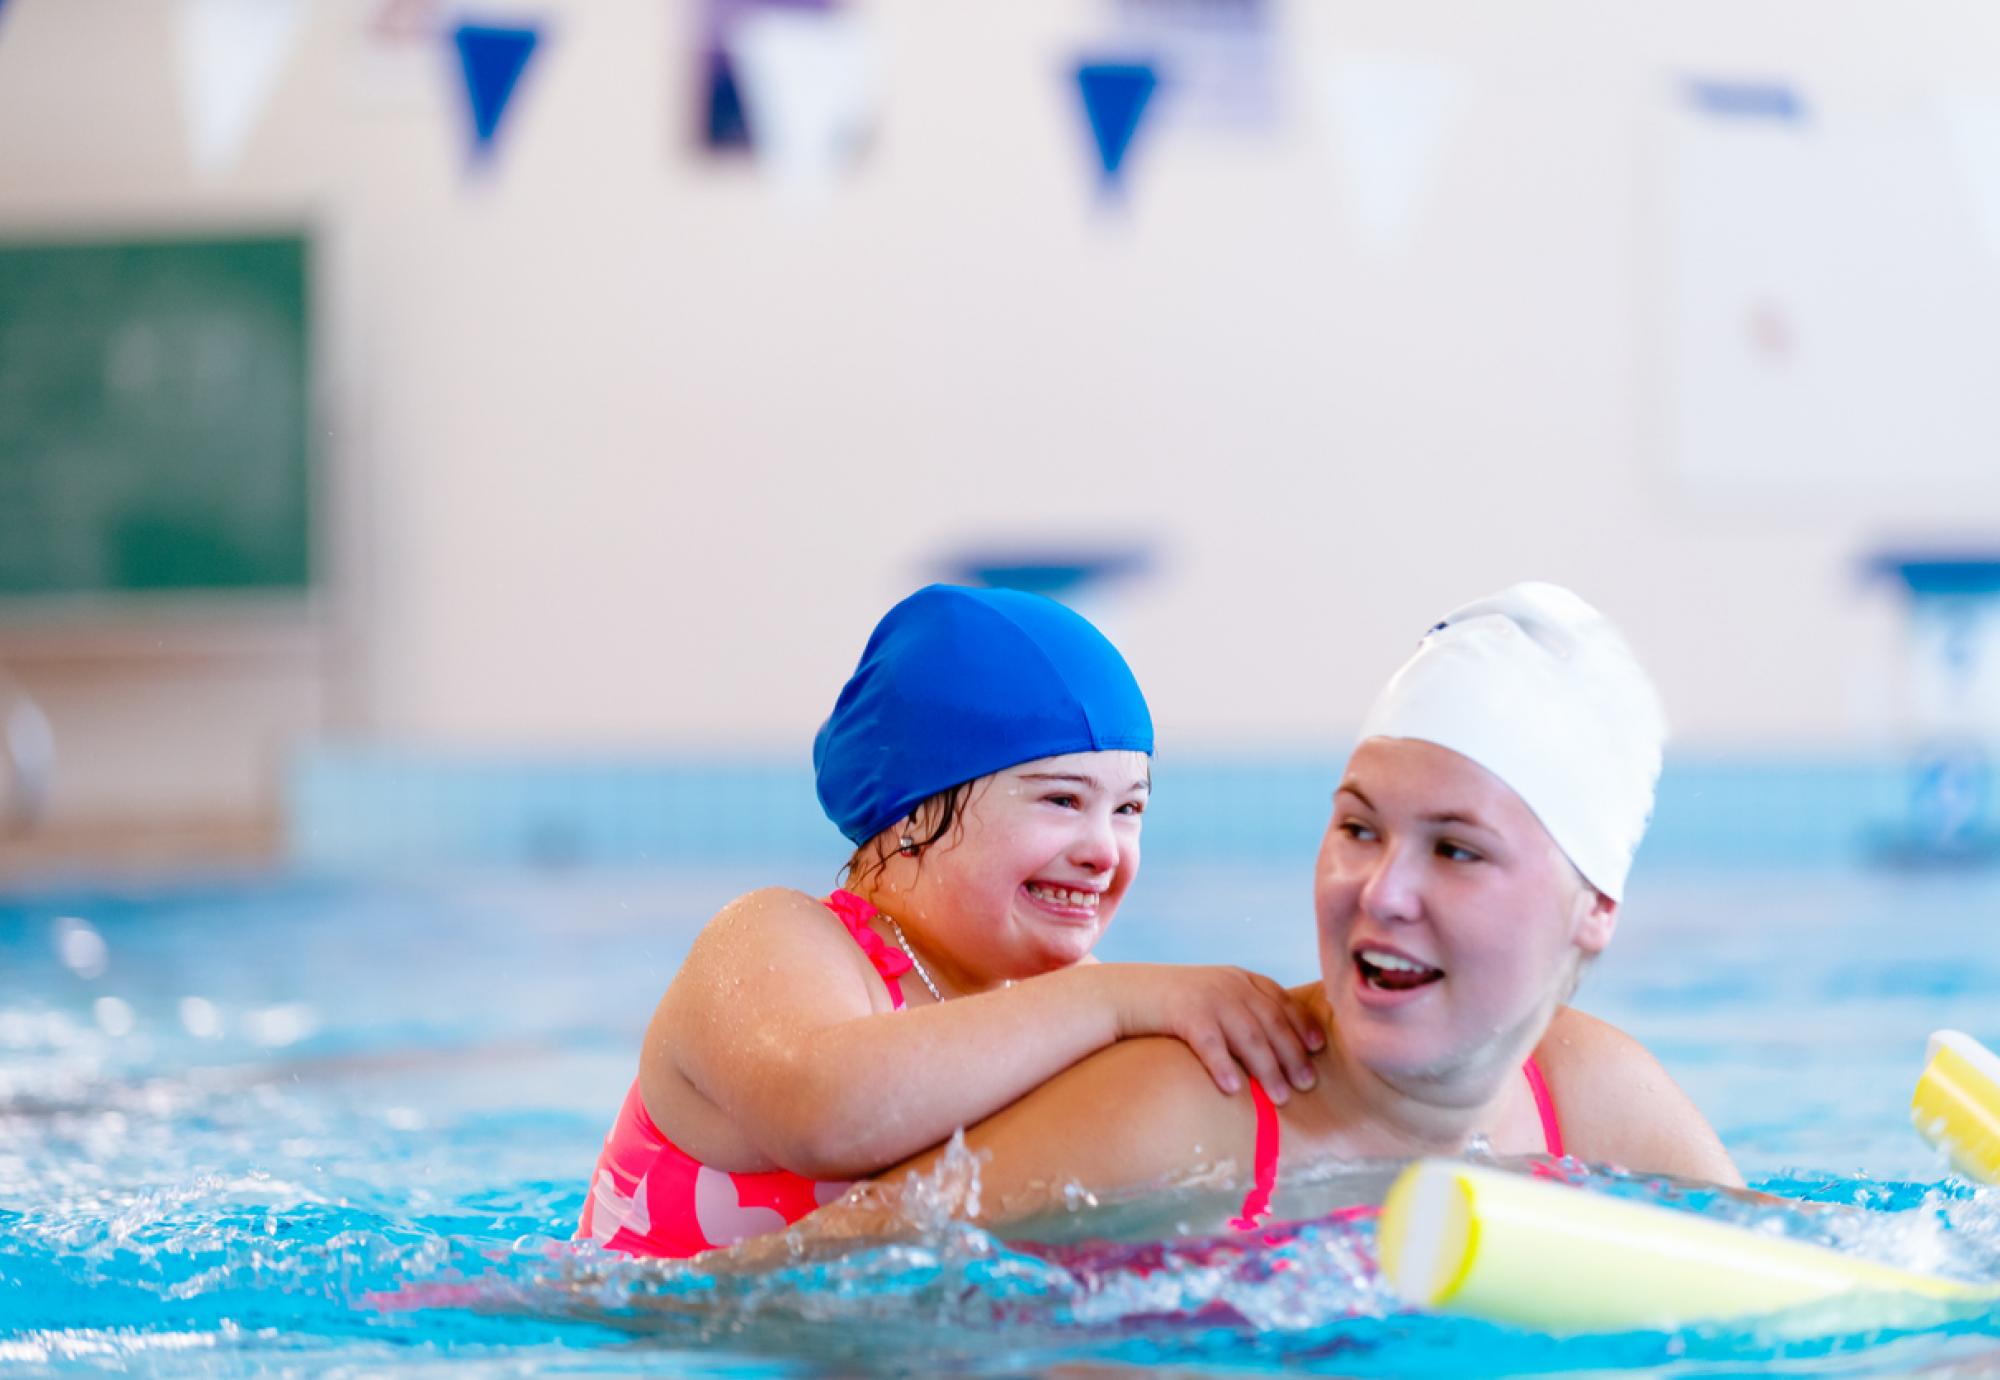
(1063, 896)
(1394, 963)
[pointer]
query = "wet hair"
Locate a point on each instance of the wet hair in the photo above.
(937, 814)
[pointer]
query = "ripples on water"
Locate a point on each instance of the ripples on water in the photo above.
(349, 1258)
(206, 1170)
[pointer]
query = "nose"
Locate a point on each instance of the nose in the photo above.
(1390, 891)
(1095, 847)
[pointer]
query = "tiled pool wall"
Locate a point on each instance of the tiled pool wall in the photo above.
(375, 807)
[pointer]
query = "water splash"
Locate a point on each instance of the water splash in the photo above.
(374, 1166)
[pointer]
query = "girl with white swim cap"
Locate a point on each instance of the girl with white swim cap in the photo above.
(990, 761)
(1475, 861)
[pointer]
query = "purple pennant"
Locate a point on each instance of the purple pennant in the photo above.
(722, 125)
(1114, 99)
(493, 59)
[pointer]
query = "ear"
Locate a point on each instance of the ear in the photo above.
(1600, 918)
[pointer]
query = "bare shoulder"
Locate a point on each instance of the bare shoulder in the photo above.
(1133, 1114)
(769, 906)
(775, 921)
(1146, 1104)
(1618, 1106)
(770, 963)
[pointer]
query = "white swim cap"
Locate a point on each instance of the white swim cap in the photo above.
(1540, 689)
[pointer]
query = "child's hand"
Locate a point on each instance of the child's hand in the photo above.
(1230, 1018)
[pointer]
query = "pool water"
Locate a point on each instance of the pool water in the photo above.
(327, 1127)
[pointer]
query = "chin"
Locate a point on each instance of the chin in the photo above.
(1401, 1062)
(1403, 1054)
(1052, 956)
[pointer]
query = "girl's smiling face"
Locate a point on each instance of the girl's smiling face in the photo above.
(1046, 852)
(1451, 926)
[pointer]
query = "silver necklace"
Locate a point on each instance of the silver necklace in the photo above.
(915, 962)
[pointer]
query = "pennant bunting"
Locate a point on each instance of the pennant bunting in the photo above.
(1219, 62)
(395, 20)
(722, 123)
(1115, 96)
(397, 49)
(810, 85)
(230, 54)
(723, 127)
(1388, 117)
(492, 59)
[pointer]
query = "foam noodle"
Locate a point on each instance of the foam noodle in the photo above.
(1545, 1256)
(1957, 1104)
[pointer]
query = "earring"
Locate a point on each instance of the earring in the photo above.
(907, 846)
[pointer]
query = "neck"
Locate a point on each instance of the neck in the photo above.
(1377, 1117)
(895, 905)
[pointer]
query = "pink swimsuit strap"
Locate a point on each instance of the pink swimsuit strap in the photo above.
(649, 1197)
(1552, 1131)
(1264, 1159)
(889, 961)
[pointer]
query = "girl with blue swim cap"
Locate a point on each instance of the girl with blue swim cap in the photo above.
(1474, 864)
(989, 760)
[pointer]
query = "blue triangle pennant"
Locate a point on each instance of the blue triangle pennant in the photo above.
(1115, 95)
(724, 126)
(493, 59)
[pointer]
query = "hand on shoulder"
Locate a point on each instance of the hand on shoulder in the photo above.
(1232, 1019)
(1619, 1107)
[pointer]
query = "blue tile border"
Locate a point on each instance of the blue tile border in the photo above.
(375, 807)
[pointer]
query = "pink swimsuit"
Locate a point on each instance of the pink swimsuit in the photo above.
(1264, 1160)
(649, 1197)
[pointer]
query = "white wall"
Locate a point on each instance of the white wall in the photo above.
(621, 451)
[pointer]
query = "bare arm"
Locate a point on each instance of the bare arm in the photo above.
(775, 1024)
(1618, 1106)
(1134, 1115)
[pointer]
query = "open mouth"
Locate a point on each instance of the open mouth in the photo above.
(1389, 972)
(1064, 897)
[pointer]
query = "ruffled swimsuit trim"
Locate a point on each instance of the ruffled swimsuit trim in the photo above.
(889, 961)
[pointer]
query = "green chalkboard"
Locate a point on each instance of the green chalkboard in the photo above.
(154, 433)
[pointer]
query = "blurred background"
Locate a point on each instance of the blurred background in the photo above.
(488, 434)
(452, 455)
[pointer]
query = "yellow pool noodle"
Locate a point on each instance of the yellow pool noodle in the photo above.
(1507, 1248)
(1956, 1106)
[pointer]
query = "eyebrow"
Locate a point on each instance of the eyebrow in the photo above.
(1436, 817)
(1456, 817)
(1080, 779)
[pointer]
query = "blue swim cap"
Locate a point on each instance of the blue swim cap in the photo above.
(957, 684)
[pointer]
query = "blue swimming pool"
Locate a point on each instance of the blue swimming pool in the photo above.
(333, 1127)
